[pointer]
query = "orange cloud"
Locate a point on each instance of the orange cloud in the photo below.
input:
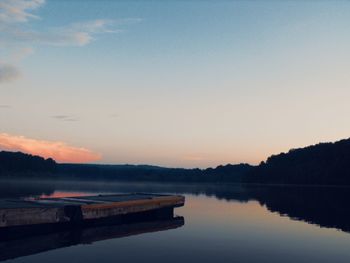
(59, 151)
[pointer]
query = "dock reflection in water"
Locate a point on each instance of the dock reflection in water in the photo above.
(224, 223)
(323, 206)
(32, 243)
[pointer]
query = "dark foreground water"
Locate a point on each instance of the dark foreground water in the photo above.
(228, 223)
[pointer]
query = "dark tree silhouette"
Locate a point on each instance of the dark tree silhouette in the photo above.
(324, 163)
(17, 163)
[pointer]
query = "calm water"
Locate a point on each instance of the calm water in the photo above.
(221, 224)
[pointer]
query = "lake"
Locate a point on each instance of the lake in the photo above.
(219, 223)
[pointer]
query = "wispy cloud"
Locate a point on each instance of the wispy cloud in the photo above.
(114, 115)
(59, 151)
(20, 53)
(15, 30)
(65, 118)
(9, 69)
(18, 11)
(4, 106)
(8, 72)
(13, 13)
(78, 34)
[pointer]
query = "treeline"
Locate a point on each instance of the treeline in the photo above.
(324, 163)
(228, 173)
(18, 163)
(13, 164)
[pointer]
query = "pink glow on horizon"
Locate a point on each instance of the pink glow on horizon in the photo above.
(60, 194)
(59, 151)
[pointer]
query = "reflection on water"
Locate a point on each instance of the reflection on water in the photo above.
(59, 194)
(15, 247)
(323, 206)
(223, 223)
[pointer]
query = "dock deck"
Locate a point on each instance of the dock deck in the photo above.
(83, 209)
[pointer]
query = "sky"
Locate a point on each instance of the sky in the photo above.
(172, 83)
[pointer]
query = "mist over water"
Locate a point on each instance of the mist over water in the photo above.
(240, 222)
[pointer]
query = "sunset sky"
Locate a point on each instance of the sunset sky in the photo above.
(172, 83)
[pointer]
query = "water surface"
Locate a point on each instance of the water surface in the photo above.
(221, 223)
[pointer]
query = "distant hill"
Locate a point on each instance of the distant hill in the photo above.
(324, 163)
(14, 164)
(228, 173)
(18, 163)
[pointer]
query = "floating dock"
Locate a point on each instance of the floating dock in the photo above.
(17, 213)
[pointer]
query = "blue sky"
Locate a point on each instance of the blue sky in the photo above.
(174, 83)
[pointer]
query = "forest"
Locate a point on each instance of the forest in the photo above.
(320, 164)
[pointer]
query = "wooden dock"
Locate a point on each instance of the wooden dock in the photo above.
(84, 210)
